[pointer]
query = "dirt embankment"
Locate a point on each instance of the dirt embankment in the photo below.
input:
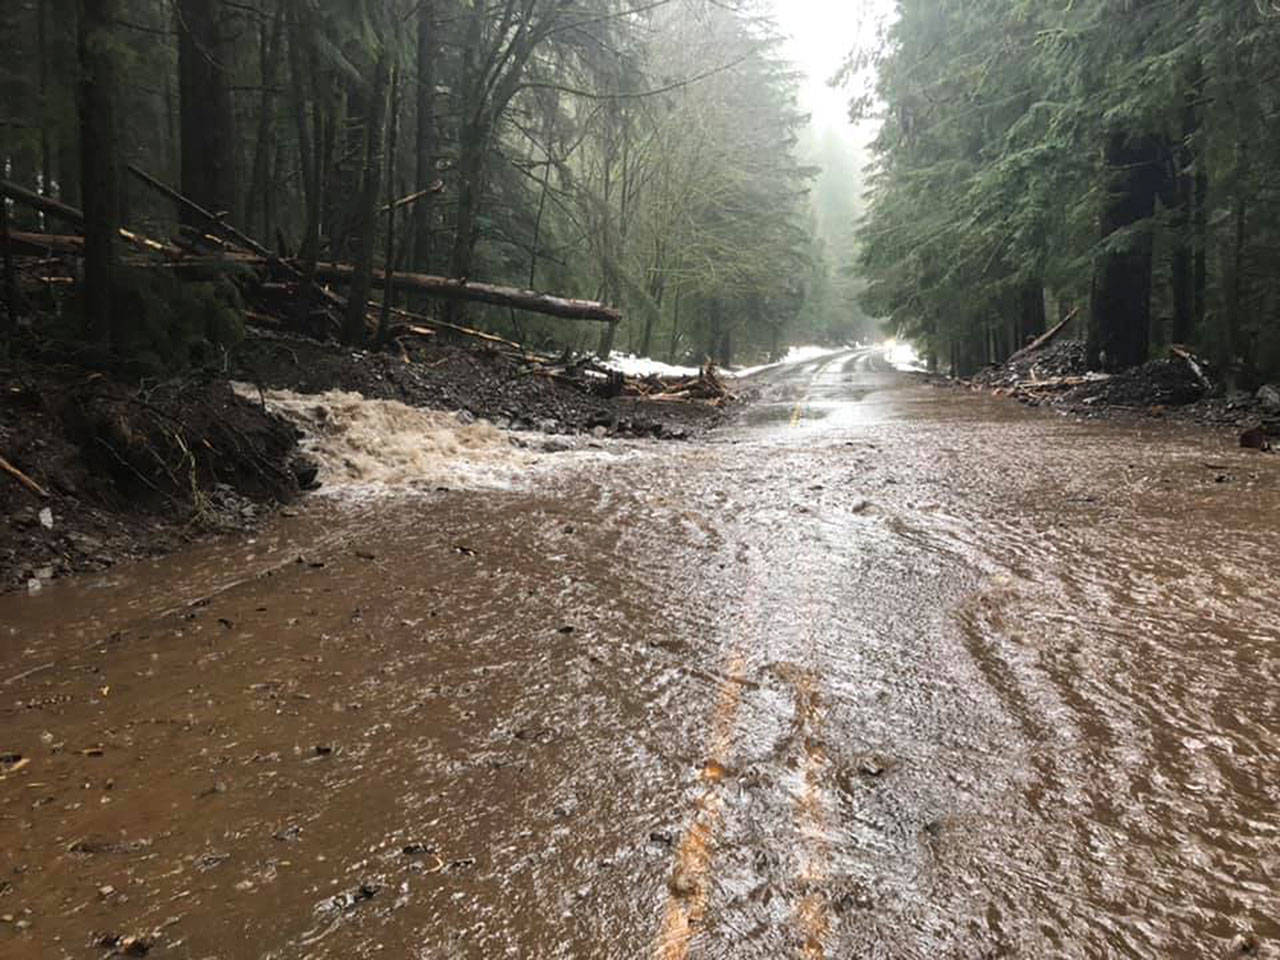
(96, 471)
(1176, 387)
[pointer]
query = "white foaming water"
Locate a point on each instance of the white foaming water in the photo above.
(371, 446)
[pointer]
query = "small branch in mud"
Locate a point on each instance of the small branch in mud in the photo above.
(23, 479)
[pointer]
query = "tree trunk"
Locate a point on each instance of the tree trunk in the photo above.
(10, 321)
(425, 137)
(257, 199)
(365, 226)
(46, 141)
(389, 254)
(473, 144)
(1230, 346)
(207, 120)
(1188, 217)
(470, 171)
(1120, 326)
(657, 288)
(1031, 313)
(64, 15)
(99, 165)
(675, 327)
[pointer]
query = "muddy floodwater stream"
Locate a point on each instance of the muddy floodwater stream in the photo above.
(883, 670)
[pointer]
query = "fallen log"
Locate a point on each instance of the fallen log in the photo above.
(1045, 339)
(213, 219)
(45, 205)
(40, 243)
(436, 187)
(465, 331)
(1060, 383)
(450, 289)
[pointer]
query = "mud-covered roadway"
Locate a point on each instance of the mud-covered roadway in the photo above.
(882, 671)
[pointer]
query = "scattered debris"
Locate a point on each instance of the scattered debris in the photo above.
(683, 883)
(1245, 945)
(92, 846)
(348, 900)
(126, 946)
(1181, 385)
(874, 765)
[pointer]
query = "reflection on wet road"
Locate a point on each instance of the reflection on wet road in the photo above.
(883, 671)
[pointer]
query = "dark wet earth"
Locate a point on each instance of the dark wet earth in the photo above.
(883, 671)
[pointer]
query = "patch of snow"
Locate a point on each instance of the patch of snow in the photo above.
(794, 355)
(903, 356)
(633, 366)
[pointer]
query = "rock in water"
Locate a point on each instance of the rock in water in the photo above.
(1255, 439)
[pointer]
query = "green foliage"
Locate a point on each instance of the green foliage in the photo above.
(645, 155)
(990, 173)
(175, 324)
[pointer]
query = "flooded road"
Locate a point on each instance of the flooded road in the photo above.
(884, 670)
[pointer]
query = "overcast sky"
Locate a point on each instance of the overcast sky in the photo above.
(822, 33)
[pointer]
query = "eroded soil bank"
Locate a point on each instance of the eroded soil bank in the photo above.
(133, 469)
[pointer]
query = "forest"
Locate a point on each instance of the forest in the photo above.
(1110, 160)
(641, 156)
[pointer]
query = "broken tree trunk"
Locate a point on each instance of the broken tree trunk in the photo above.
(449, 289)
(1045, 340)
(1196, 365)
(45, 205)
(37, 244)
(190, 206)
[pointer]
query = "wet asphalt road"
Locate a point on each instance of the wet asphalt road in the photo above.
(884, 670)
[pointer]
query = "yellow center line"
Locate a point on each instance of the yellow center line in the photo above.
(687, 903)
(690, 879)
(811, 915)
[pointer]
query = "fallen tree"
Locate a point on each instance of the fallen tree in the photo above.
(1043, 340)
(446, 288)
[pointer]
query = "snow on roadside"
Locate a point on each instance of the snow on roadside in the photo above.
(794, 355)
(633, 366)
(903, 356)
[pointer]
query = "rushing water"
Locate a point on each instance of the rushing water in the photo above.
(885, 671)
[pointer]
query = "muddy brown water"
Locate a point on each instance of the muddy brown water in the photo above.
(883, 671)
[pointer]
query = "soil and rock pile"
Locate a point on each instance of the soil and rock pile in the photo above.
(1158, 383)
(1063, 358)
(1180, 386)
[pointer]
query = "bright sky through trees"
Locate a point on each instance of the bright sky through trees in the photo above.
(822, 34)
